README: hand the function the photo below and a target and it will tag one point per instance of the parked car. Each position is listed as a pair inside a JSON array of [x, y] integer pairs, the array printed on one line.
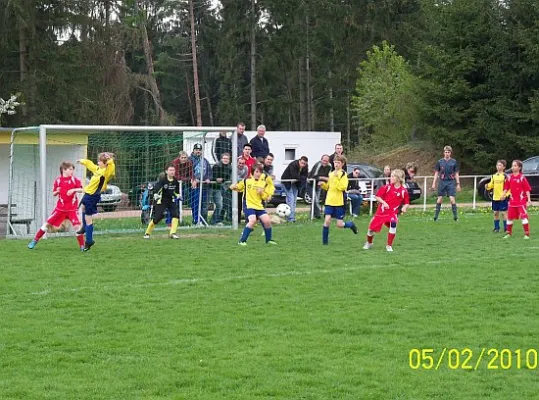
[[110, 198], [371, 172], [279, 196], [530, 168]]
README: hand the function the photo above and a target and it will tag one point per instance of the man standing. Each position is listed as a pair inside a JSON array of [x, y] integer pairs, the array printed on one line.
[[354, 191], [447, 170], [201, 168], [242, 139], [268, 165], [319, 172], [221, 173], [259, 143], [222, 145], [294, 177], [339, 151], [246, 156]]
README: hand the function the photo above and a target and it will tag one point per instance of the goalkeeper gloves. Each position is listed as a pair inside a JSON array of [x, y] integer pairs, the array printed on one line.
[[157, 196]]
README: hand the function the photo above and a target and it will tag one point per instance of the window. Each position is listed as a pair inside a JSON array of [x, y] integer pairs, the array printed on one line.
[[531, 165], [289, 154]]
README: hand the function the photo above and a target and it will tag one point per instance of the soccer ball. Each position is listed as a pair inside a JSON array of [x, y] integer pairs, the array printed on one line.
[[283, 210]]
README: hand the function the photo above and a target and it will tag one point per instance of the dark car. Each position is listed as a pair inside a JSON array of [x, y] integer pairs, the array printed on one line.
[[371, 172], [530, 168], [279, 196]]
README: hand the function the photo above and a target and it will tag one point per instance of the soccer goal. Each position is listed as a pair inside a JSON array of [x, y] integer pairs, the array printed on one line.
[[141, 155]]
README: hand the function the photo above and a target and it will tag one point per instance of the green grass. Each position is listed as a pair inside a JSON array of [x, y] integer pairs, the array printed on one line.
[[202, 318]]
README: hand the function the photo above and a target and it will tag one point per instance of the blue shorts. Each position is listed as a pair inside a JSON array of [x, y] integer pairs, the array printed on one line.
[[500, 205], [89, 201], [449, 188], [251, 211], [336, 212]]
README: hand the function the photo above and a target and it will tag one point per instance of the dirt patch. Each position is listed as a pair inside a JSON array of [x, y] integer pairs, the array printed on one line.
[[423, 154]]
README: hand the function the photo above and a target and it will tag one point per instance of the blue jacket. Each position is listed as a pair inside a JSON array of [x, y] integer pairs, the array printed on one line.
[[260, 147], [198, 163]]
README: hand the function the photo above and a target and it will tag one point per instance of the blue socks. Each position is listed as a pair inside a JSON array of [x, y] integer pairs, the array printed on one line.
[[246, 232], [267, 231], [89, 229], [348, 224], [325, 235], [497, 224]]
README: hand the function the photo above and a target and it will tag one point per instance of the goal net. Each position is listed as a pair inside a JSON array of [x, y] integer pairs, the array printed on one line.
[[141, 155]]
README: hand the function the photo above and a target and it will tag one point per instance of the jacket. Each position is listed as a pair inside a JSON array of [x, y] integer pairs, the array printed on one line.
[[200, 163], [184, 171], [221, 170], [242, 141], [222, 145], [318, 170], [260, 146], [293, 171]]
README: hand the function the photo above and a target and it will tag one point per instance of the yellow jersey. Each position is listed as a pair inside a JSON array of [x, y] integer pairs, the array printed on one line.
[[496, 184], [101, 176], [336, 186], [256, 191]]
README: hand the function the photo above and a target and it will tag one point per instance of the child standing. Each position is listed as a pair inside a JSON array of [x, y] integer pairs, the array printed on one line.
[[66, 186], [102, 173], [496, 184], [256, 189], [166, 195], [520, 189], [390, 197], [336, 185]]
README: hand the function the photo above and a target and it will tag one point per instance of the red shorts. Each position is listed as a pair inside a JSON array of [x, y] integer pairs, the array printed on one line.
[[57, 217], [378, 221], [517, 212]]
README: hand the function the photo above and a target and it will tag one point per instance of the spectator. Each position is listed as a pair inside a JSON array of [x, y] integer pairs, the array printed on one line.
[[354, 191], [222, 145], [259, 143], [296, 171], [242, 139], [201, 168], [410, 171], [246, 156], [184, 173], [387, 175], [320, 173], [268, 165], [221, 173], [243, 173], [339, 151]]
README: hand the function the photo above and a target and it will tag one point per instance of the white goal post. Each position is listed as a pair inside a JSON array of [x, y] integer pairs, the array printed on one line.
[[41, 152]]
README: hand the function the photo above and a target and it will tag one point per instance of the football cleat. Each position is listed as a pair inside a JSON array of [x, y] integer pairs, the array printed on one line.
[[354, 228], [242, 243], [81, 248], [507, 236], [271, 242], [367, 246], [389, 248], [146, 236], [526, 237], [81, 231], [32, 244], [174, 236], [496, 231], [88, 245]]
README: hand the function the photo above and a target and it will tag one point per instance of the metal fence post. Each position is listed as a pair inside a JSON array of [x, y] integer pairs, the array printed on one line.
[[474, 192], [313, 199], [371, 197], [425, 193]]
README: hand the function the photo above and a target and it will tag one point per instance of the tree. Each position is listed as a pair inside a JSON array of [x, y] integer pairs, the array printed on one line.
[[386, 100]]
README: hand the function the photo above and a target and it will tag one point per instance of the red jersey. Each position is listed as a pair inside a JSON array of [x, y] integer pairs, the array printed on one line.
[[518, 185], [64, 184], [249, 162], [394, 197]]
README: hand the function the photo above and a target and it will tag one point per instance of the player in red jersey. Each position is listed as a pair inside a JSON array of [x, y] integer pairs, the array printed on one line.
[[390, 198], [520, 189], [66, 187]]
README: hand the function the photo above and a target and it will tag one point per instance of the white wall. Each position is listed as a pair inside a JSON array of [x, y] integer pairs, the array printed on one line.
[[310, 144]]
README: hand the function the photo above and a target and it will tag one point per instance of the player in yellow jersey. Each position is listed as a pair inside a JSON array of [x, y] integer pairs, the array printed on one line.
[[256, 189], [334, 207], [102, 174], [496, 184]]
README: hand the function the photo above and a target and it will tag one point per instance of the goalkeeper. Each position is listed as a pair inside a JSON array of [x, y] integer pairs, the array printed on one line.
[[166, 193]]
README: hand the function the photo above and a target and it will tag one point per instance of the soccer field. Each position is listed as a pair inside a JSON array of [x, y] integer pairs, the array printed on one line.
[[203, 318]]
